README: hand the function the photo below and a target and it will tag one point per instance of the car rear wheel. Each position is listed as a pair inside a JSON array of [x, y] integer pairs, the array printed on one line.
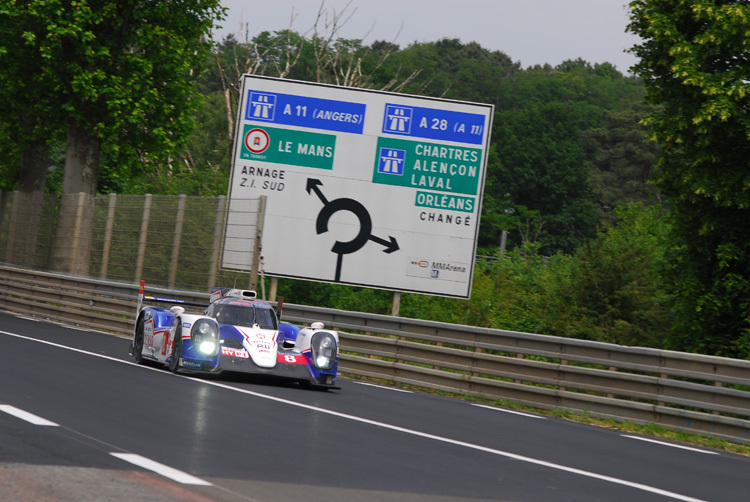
[[138, 341], [174, 362]]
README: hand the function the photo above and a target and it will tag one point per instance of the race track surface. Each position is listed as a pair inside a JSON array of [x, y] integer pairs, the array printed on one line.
[[80, 421]]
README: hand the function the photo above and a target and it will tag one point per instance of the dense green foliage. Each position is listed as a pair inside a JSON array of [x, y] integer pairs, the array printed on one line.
[[695, 60], [567, 143], [608, 290], [119, 73], [594, 249]]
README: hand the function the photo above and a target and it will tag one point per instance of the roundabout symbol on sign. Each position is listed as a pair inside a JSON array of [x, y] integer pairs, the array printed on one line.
[[257, 140], [365, 225]]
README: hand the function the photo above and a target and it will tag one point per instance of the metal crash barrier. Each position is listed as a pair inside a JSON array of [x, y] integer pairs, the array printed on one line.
[[694, 393]]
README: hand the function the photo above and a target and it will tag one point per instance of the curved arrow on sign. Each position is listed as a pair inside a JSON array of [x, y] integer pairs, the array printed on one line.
[[365, 221]]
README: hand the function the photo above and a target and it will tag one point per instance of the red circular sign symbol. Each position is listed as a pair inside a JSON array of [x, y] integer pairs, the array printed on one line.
[[257, 140]]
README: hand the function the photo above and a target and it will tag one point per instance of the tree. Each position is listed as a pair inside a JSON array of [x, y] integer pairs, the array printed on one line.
[[110, 71], [447, 68], [620, 160], [26, 132], [541, 167], [617, 283], [27, 129], [695, 64]]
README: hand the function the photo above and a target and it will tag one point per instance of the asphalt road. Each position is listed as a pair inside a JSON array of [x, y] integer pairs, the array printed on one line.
[[79, 422]]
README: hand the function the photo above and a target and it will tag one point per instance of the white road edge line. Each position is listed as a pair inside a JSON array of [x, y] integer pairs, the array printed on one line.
[[495, 408], [382, 387], [25, 415], [164, 470], [493, 451], [664, 443]]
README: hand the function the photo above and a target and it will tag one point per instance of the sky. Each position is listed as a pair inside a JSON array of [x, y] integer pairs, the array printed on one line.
[[529, 31]]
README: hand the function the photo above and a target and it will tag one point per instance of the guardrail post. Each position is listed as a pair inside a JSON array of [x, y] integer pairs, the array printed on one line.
[[108, 234], [563, 362], [176, 241], [717, 384], [611, 368], [519, 356], [142, 239]]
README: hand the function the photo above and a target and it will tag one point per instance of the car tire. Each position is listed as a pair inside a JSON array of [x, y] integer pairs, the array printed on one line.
[[138, 341], [174, 362]]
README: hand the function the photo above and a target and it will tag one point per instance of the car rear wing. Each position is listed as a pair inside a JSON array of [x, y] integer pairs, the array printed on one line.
[[216, 294], [142, 296]]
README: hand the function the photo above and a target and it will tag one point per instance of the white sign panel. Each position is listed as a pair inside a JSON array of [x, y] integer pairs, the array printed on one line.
[[363, 187]]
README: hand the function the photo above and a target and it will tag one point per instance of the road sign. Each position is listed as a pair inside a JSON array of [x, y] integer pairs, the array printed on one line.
[[363, 187]]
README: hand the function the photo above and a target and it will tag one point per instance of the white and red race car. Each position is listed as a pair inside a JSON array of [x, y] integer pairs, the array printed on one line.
[[237, 333]]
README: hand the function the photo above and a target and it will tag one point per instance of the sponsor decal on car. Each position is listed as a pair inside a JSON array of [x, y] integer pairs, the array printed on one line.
[[187, 363], [225, 351]]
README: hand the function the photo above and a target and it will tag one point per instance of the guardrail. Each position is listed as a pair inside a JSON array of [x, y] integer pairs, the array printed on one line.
[[694, 393]]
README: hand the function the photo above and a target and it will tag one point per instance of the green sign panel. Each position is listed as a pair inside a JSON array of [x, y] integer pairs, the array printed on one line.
[[284, 146], [428, 166], [445, 201]]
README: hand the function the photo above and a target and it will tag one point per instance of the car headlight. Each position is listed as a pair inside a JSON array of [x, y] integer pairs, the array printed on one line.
[[323, 346], [205, 336]]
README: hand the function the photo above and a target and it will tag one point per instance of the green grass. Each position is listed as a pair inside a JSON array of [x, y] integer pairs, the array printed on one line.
[[650, 430]]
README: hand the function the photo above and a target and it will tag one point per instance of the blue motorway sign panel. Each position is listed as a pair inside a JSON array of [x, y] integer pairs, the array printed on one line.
[[363, 187], [305, 111], [434, 123]]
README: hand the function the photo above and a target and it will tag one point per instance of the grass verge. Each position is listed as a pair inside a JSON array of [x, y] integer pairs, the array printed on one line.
[[650, 430]]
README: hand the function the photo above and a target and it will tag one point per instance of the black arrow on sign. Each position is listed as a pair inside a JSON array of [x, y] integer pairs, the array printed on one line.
[[390, 245], [313, 184]]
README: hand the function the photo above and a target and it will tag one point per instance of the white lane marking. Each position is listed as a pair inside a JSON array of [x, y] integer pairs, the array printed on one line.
[[25, 415], [382, 387], [663, 443], [472, 446], [508, 411], [164, 470], [501, 453]]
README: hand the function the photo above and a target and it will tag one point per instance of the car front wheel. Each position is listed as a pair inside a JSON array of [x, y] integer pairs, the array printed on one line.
[[174, 362], [138, 341]]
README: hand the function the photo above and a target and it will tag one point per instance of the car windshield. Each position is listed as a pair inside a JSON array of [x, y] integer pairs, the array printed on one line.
[[246, 315]]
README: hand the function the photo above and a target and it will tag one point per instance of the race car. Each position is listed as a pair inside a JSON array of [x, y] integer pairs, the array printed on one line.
[[236, 333]]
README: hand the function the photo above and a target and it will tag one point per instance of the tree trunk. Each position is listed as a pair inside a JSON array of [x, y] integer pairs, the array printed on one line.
[[27, 205], [34, 163], [71, 249]]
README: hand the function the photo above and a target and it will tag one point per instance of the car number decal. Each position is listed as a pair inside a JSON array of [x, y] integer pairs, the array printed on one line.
[[291, 359], [148, 333]]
